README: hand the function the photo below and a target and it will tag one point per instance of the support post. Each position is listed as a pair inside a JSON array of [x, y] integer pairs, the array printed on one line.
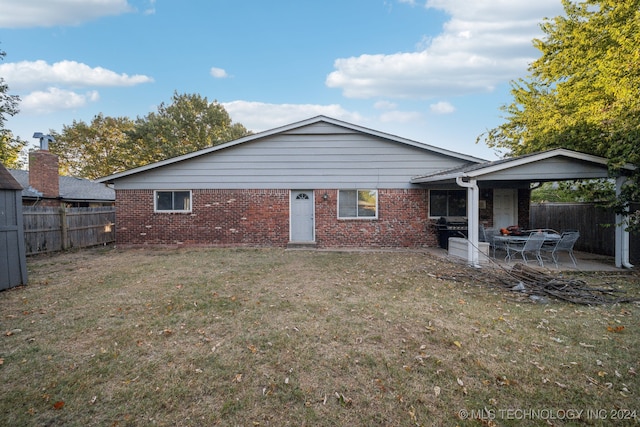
[[622, 235], [64, 229], [473, 217]]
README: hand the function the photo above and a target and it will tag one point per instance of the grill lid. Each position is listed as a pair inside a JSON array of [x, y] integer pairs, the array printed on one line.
[[453, 220]]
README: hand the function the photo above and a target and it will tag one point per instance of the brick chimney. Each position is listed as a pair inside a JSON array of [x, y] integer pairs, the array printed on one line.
[[43, 170]]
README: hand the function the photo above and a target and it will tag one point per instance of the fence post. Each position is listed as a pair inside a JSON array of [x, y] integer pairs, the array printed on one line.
[[64, 227]]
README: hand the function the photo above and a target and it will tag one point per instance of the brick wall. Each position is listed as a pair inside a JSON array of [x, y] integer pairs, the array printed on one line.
[[524, 200], [218, 217], [402, 222], [43, 173], [261, 218]]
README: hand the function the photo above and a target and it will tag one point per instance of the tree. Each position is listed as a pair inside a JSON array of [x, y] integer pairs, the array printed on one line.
[[583, 93], [110, 145], [10, 147], [95, 150], [188, 124]]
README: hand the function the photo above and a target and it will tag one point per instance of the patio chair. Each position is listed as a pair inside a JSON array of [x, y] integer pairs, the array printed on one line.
[[567, 240], [531, 245]]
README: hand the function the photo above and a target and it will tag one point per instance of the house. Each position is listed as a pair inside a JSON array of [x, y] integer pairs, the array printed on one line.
[[322, 182], [13, 262], [42, 186], [319, 182]]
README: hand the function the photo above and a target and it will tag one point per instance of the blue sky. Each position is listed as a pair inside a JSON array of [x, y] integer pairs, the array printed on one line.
[[435, 71]]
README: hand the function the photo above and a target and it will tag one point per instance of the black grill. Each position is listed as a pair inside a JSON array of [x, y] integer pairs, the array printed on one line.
[[451, 226]]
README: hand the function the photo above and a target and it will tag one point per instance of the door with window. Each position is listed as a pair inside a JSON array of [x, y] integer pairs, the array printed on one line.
[[505, 211], [301, 216]]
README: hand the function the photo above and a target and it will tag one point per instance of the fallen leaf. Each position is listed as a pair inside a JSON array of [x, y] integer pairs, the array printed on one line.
[[587, 345], [58, 405], [237, 378], [503, 381], [460, 383], [561, 385], [436, 391], [615, 329], [457, 344], [343, 400]]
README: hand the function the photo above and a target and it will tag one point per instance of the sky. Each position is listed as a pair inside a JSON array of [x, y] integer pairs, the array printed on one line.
[[433, 71]]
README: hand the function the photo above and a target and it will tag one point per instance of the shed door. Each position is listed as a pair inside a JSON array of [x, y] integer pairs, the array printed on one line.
[[13, 263], [505, 212], [302, 228]]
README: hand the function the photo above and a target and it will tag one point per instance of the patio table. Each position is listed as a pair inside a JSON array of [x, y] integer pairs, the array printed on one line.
[[550, 238]]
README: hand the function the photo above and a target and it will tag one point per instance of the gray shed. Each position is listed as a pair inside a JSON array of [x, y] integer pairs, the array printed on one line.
[[13, 261]]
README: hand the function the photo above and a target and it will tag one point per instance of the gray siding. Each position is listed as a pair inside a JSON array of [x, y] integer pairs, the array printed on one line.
[[299, 159], [553, 169]]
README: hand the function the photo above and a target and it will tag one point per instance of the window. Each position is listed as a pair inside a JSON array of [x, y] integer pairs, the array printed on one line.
[[173, 201], [358, 204], [447, 203]]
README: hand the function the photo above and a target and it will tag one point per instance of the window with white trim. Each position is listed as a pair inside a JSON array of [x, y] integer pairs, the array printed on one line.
[[358, 204], [172, 201], [447, 203]]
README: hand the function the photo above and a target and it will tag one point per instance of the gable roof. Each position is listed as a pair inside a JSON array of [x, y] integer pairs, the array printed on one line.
[[494, 168], [71, 188], [299, 128]]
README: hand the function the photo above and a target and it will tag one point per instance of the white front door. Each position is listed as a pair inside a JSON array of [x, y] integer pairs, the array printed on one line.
[[302, 221], [505, 207]]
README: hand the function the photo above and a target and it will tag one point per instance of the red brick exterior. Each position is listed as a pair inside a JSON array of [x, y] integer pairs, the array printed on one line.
[[524, 206], [260, 218], [402, 222], [43, 173]]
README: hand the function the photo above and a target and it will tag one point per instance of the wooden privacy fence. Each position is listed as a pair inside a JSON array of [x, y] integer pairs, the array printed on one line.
[[595, 224], [55, 229]]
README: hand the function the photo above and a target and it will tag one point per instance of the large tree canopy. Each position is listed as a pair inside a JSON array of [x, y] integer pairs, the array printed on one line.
[[188, 124], [583, 93], [10, 147], [109, 145], [96, 149]]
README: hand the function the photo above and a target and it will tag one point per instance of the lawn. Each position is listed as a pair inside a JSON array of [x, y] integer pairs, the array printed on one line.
[[267, 337]]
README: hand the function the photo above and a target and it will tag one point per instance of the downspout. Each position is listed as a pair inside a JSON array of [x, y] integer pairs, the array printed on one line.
[[622, 235], [473, 197]]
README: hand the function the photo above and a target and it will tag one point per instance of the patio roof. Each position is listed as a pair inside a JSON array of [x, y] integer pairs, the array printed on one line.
[[553, 165]]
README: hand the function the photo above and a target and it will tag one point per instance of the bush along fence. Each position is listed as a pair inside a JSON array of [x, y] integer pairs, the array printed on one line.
[[56, 229]]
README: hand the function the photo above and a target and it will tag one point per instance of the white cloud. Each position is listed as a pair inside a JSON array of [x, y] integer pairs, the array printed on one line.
[[38, 74], [54, 99], [50, 13], [259, 116], [442, 107], [485, 43], [385, 105], [400, 117], [218, 73]]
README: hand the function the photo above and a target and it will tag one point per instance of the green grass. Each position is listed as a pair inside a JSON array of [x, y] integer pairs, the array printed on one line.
[[270, 337]]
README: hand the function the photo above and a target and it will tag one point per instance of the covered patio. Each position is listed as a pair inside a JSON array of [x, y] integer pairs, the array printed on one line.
[[585, 262], [498, 193]]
